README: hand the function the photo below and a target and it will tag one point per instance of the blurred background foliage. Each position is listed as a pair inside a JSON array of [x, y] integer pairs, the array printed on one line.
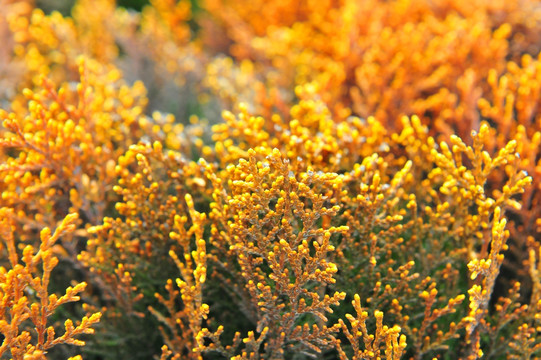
[[64, 6]]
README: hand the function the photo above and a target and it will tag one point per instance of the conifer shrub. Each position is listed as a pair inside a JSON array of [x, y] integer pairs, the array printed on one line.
[[271, 180]]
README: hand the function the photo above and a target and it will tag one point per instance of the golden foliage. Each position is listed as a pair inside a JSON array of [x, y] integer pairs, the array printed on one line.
[[387, 151], [26, 303]]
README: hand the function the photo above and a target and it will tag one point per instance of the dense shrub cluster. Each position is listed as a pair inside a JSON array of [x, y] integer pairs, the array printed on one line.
[[225, 179]]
